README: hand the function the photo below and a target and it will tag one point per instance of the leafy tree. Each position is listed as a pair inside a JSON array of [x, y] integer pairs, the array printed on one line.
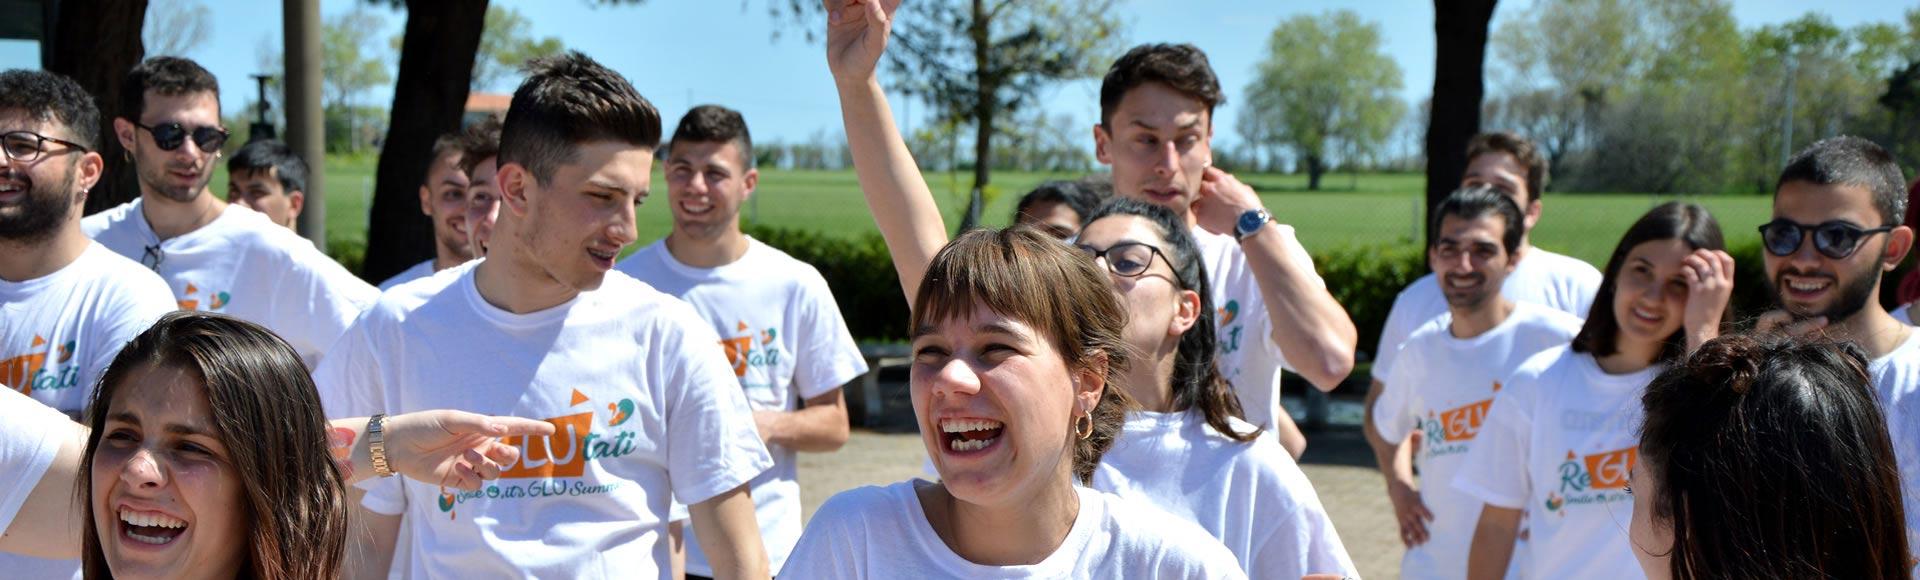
[[507, 43], [173, 27], [1325, 89], [351, 64]]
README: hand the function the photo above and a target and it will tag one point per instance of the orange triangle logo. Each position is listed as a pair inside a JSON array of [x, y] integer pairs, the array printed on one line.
[[578, 398], [37, 341], [1569, 454], [191, 288], [1496, 386], [741, 326]]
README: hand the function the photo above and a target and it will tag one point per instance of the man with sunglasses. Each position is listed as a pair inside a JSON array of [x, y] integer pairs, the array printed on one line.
[[67, 304], [1450, 372], [215, 256], [1835, 231]]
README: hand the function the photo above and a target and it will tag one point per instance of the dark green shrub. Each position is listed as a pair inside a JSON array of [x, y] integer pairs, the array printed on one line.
[[1366, 279]]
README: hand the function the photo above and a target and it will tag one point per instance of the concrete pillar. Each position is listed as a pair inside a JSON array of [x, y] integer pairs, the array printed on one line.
[[305, 125]]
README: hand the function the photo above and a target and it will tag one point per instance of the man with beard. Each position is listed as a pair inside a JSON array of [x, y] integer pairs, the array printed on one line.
[[1836, 230], [213, 255], [1451, 369], [67, 304], [443, 198]]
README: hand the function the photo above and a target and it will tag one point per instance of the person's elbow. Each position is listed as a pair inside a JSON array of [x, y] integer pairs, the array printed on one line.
[[1329, 363]]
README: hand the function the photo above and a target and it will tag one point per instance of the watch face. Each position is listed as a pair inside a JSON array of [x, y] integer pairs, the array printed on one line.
[[1250, 221]]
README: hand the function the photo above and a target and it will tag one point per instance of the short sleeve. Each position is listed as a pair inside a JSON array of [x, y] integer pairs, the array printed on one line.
[[831, 358], [1401, 322], [1585, 282], [385, 495], [30, 439], [830, 547], [1393, 416], [142, 298], [316, 301], [1495, 469], [712, 443], [1302, 541], [349, 378]]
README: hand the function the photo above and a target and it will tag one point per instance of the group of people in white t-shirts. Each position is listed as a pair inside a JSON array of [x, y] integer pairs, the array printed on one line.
[[1103, 407]]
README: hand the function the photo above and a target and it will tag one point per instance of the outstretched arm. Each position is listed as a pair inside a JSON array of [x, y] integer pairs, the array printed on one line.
[[442, 447], [902, 205]]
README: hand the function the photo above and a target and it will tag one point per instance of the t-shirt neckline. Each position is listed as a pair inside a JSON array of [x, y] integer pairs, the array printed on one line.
[[744, 263], [470, 287], [1077, 540]]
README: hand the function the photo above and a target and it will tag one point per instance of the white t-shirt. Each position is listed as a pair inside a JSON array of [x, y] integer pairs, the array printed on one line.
[[1248, 357], [882, 532], [1251, 496], [1896, 378], [782, 331], [58, 332], [1443, 387], [245, 266], [1560, 442], [1542, 277], [30, 438], [416, 272], [1902, 315], [630, 378]]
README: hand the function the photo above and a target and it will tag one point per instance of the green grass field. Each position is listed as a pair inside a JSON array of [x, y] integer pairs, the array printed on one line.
[[1349, 211]]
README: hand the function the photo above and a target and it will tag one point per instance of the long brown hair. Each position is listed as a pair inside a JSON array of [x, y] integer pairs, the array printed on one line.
[[1772, 460], [1025, 275], [268, 415]]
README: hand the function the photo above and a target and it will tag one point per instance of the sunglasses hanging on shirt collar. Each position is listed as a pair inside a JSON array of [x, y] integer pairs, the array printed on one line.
[[1835, 239], [170, 136]]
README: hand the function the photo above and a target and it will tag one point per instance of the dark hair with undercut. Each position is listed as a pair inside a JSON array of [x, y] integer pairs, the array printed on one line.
[[568, 100], [1197, 382], [167, 75], [1472, 203], [1855, 162], [273, 154], [1078, 314], [51, 96], [1181, 67], [267, 413], [1080, 195], [478, 142], [1770, 459], [1522, 150], [715, 124], [1674, 220]]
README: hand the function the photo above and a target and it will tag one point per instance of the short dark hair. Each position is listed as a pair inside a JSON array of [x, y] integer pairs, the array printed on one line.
[[1522, 151], [1852, 161], [1472, 203], [715, 124], [52, 97], [478, 142], [567, 100], [1775, 445], [167, 75], [1674, 220], [1081, 196], [273, 154], [1181, 67]]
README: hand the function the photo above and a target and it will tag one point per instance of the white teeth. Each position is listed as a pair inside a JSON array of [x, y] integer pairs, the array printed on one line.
[[1645, 314], [964, 425], [1460, 282], [1807, 286], [151, 519], [969, 445]]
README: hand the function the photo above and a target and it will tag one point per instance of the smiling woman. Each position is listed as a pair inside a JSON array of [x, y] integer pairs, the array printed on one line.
[[208, 455]]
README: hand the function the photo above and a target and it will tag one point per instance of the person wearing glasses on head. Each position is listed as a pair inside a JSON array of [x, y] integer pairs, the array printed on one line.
[[215, 256], [1835, 231], [66, 304]]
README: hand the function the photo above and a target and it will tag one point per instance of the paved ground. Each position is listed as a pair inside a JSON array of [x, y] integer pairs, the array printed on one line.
[[1337, 462]]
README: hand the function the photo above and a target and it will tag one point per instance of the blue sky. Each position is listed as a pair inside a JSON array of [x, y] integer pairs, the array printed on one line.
[[684, 52]]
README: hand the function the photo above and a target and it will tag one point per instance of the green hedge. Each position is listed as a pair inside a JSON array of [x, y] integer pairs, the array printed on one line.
[[860, 272]]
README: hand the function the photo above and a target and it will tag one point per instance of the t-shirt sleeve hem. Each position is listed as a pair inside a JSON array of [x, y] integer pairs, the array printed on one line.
[[1488, 496], [723, 480], [834, 380]]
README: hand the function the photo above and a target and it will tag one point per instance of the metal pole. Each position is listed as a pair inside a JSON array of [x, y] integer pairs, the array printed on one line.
[[305, 127]]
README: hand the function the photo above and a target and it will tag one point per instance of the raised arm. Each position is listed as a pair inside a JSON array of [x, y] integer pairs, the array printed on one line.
[[902, 205]]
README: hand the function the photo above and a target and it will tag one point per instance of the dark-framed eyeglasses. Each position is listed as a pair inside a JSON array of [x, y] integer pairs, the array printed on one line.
[[170, 136], [1126, 259], [1836, 239], [28, 146]]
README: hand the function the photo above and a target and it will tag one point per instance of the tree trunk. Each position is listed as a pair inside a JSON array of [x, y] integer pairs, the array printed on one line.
[[1460, 32], [1315, 168], [983, 109], [95, 42], [429, 97]]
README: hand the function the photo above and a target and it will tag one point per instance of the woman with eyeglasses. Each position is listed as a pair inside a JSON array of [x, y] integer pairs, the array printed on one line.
[[1017, 339], [1558, 443], [1767, 457]]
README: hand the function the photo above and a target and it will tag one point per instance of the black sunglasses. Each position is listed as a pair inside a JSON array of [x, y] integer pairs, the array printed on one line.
[[28, 146], [171, 136], [1127, 259], [1835, 239]]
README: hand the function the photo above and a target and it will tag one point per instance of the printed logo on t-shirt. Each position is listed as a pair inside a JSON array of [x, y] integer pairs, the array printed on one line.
[[28, 372], [752, 351], [578, 439], [1600, 478], [1447, 432], [189, 299], [1229, 332]]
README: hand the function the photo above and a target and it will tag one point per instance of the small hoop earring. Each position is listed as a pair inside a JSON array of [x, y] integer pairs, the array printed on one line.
[[1088, 432]]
